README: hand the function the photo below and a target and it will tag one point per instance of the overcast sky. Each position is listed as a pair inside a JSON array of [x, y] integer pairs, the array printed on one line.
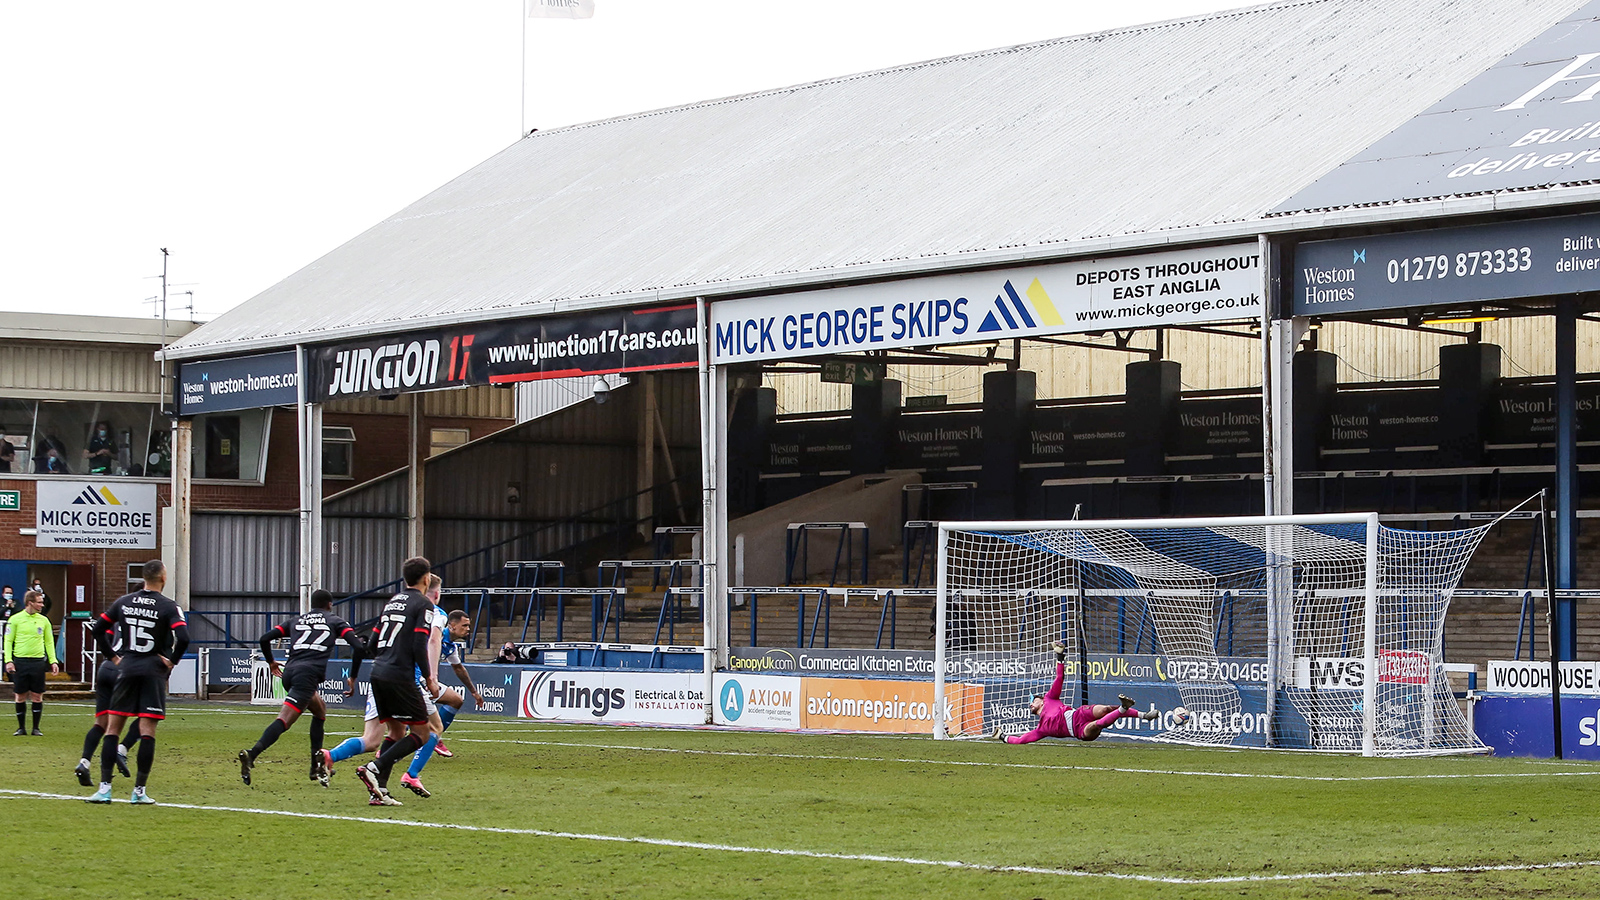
[[249, 139]]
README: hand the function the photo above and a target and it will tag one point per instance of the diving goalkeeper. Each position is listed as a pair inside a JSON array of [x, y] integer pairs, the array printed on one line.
[[1056, 720]]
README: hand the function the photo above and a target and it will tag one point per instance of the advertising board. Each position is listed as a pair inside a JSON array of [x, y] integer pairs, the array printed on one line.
[[245, 382], [1529, 120], [613, 696], [1173, 287], [757, 701], [600, 342], [95, 514]]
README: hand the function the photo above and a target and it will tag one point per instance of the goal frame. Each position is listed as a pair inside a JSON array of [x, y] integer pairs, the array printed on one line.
[[1275, 588]]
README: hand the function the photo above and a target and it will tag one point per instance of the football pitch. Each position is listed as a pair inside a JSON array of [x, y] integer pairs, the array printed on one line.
[[538, 809]]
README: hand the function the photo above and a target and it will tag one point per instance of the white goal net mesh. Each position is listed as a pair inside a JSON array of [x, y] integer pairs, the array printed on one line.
[[1259, 629]]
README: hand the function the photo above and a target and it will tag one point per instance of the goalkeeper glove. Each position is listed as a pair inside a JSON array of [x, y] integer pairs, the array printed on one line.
[[1060, 650]]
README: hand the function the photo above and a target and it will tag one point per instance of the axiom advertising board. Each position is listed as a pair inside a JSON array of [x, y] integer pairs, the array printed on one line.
[[757, 701]]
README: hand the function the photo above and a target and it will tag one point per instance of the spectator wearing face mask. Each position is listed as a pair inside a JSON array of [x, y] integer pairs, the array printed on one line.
[[102, 452], [8, 602]]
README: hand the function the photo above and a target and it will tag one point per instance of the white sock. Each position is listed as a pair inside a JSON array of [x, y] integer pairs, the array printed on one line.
[[105, 787], [139, 791], [84, 762]]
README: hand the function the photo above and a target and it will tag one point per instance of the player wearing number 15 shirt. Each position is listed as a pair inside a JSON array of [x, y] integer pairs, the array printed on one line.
[[152, 635], [311, 638], [145, 633]]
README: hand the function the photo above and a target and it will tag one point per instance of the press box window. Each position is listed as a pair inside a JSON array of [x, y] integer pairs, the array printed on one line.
[[229, 446], [338, 451], [135, 577], [442, 439]]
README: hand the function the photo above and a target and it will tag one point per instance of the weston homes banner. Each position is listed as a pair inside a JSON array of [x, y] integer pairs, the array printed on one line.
[[245, 382], [1176, 287], [595, 343], [1531, 120]]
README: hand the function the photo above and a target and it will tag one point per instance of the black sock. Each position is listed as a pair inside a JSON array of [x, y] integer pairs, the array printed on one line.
[[37, 709], [92, 740], [384, 747], [147, 755], [22, 715], [108, 755], [268, 738], [317, 725], [401, 749]]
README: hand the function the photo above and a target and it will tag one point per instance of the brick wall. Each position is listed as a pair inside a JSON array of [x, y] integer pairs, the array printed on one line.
[[381, 442], [110, 565]]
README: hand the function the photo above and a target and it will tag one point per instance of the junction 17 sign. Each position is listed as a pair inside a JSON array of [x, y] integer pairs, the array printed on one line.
[[600, 342], [1177, 287]]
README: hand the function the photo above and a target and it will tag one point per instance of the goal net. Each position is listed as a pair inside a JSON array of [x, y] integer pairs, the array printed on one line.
[[1294, 632]]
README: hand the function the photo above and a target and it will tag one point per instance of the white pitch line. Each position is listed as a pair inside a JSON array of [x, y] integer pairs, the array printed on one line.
[[1000, 765], [852, 857]]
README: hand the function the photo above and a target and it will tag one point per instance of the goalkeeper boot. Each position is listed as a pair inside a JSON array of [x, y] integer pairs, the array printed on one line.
[[1125, 700], [1060, 650], [1150, 716]]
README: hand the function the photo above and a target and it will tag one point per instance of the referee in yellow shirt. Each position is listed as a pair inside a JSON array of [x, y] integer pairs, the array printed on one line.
[[29, 644]]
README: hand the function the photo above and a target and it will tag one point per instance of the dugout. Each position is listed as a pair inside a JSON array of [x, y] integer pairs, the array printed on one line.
[[992, 178]]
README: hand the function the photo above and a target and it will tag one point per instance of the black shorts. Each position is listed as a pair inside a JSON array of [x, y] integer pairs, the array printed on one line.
[[105, 682], [399, 701], [140, 696], [28, 676], [300, 684]]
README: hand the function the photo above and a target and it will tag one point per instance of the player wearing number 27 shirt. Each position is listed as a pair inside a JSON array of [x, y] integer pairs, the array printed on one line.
[[311, 638]]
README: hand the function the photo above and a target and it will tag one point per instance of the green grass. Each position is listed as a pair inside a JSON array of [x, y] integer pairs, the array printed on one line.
[[1107, 807]]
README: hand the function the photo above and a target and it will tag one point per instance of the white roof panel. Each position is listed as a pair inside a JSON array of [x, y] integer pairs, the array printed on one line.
[[1070, 146]]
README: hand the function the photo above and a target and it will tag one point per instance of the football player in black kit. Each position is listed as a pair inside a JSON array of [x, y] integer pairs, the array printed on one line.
[[150, 637], [399, 644], [105, 683], [311, 643]]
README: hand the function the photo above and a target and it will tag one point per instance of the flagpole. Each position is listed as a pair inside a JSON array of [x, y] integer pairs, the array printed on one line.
[[522, 106]]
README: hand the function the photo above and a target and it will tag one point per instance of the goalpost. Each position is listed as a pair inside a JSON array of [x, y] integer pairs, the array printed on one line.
[[1291, 632]]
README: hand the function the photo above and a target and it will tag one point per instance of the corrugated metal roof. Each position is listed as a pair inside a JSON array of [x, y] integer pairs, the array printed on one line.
[[1174, 131]]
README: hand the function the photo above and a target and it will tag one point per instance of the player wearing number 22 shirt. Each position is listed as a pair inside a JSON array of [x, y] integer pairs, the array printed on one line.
[[311, 638]]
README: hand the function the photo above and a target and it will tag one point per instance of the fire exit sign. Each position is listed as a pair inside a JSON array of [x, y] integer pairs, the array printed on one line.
[[10, 500]]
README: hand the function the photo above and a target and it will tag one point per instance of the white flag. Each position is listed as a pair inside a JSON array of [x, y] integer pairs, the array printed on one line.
[[560, 9]]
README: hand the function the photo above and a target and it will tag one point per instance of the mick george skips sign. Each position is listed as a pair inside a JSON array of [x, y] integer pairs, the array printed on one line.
[[1177, 287], [503, 352]]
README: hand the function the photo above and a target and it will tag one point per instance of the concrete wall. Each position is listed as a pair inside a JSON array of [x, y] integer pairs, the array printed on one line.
[[873, 499]]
